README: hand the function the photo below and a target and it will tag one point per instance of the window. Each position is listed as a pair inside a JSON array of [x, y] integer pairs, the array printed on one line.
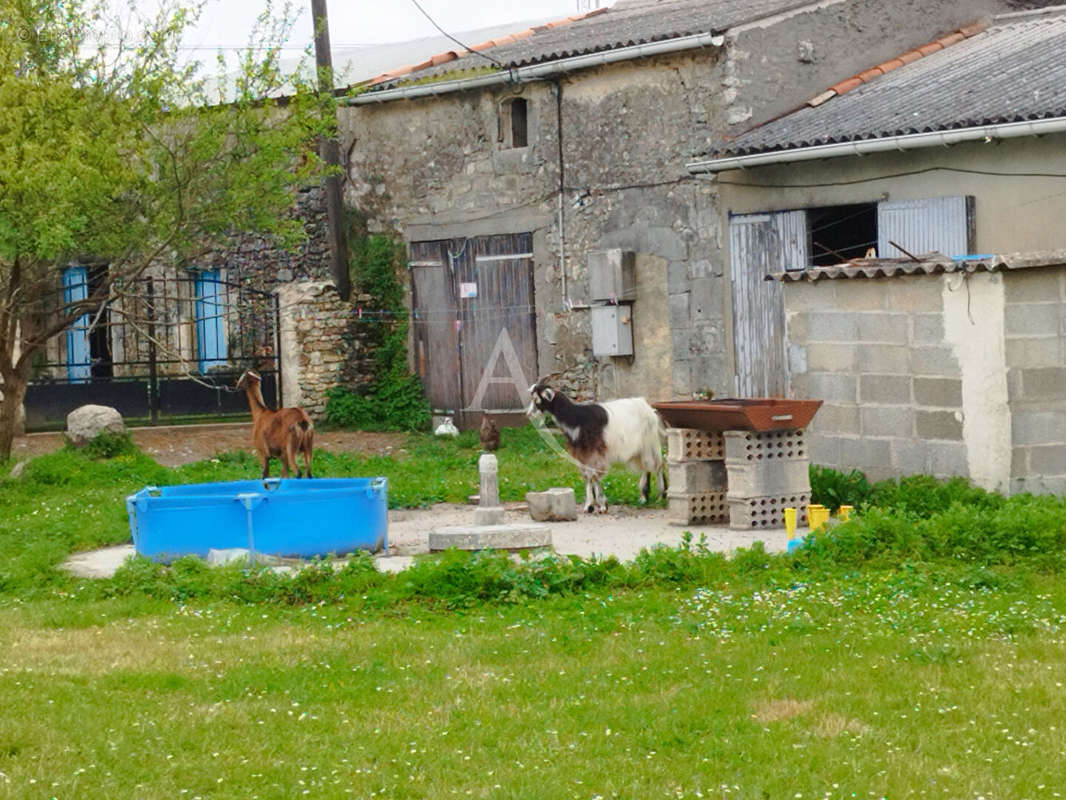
[[840, 233], [88, 341], [514, 123], [210, 321]]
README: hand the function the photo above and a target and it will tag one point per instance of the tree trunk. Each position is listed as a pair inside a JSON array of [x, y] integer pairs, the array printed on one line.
[[14, 390]]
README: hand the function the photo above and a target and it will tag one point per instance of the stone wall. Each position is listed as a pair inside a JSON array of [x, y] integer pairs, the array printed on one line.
[[323, 344]]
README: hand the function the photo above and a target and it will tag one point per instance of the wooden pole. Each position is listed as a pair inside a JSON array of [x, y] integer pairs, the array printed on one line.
[[330, 151]]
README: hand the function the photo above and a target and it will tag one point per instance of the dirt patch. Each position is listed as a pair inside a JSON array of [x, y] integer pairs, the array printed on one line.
[[174, 445]]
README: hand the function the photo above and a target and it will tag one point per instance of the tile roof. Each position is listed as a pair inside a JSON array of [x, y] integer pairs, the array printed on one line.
[[1010, 71], [627, 22], [928, 264]]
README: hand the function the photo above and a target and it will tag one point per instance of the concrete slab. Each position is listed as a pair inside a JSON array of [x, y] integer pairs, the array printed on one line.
[[507, 536]]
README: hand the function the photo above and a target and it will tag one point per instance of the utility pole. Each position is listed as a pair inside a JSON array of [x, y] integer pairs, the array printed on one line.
[[330, 152]]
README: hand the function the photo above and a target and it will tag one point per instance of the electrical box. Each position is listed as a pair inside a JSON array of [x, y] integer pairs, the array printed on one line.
[[612, 276], [612, 330]]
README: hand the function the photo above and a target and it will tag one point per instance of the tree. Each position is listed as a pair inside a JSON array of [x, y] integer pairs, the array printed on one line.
[[114, 150]]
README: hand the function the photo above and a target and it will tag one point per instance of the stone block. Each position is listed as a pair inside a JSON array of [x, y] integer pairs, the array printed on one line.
[[767, 512], [937, 361], [87, 422], [689, 444], [830, 357], [825, 450], [835, 420], [886, 359], [698, 507], [832, 326], [489, 515], [939, 392], [885, 389], [909, 457], [743, 447], [884, 328], [1032, 286], [692, 477], [1032, 319], [860, 296], [937, 425], [491, 537], [887, 421], [913, 293], [1034, 352], [1048, 460], [947, 459], [553, 505], [831, 387], [1047, 383], [763, 478], [864, 453], [804, 296]]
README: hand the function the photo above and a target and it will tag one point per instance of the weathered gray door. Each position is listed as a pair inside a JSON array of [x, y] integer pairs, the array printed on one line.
[[761, 244], [933, 224], [475, 319]]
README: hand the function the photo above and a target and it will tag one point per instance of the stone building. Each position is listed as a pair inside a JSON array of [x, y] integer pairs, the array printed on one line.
[[522, 177]]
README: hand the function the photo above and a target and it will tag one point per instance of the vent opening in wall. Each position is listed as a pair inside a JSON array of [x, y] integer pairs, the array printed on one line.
[[514, 122], [840, 233]]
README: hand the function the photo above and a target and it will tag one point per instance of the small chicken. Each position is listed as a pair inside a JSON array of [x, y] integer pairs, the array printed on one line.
[[490, 434]]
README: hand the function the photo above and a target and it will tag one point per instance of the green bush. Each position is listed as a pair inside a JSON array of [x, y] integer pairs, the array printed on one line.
[[832, 488], [109, 445]]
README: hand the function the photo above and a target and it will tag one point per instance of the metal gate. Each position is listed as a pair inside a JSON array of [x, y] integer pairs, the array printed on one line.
[[167, 349], [474, 323]]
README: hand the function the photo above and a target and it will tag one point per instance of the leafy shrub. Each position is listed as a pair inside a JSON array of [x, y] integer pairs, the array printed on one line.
[[832, 488], [924, 496], [108, 445]]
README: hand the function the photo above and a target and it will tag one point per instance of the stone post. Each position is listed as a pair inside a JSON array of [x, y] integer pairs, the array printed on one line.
[[489, 511]]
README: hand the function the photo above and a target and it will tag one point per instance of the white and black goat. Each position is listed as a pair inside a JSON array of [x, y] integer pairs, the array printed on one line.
[[627, 431]]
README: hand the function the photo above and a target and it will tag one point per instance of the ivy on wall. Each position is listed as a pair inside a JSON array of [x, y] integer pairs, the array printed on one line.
[[394, 399]]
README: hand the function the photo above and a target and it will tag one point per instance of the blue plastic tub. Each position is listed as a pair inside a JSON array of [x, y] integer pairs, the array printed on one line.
[[277, 516]]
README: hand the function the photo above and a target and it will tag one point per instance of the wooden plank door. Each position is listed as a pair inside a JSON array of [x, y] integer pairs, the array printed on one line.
[[761, 244], [436, 343]]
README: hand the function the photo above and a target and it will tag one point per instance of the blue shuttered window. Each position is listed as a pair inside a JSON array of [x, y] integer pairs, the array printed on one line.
[[210, 321], [79, 360]]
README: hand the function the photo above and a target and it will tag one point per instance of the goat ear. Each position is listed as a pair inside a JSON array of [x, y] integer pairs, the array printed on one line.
[[547, 393]]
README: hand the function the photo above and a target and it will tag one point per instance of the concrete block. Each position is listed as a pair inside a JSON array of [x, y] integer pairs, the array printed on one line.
[[913, 293], [491, 537], [489, 515], [797, 359], [698, 507], [796, 327], [885, 328], [1032, 286], [743, 447], [940, 392], [553, 505], [835, 420], [860, 296], [1038, 484], [909, 457], [864, 454], [1034, 352], [937, 425], [832, 387], [886, 359], [762, 478], [887, 421], [937, 361], [831, 326], [693, 477], [1048, 460], [805, 296], [1019, 461], [947, 459], [1038, 427], [1032, 319], [825, 450], [884, 389], [767, 512], [927, 329], [1047, 383], [689, 444], [830, 357]]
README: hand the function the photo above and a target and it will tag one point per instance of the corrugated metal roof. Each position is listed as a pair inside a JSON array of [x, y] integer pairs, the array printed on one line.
[[927, 264], [1010, 72], [626, 23]]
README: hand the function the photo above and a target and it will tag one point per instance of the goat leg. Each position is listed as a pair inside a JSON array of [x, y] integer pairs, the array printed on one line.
[[645, 481], [590, 496]]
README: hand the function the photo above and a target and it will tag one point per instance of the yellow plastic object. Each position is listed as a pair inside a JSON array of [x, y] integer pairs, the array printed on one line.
[[817, 516], [790, 522], [845, 512]]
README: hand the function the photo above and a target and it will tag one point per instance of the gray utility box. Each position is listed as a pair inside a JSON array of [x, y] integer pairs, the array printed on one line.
[[612, 275], [612, 330]]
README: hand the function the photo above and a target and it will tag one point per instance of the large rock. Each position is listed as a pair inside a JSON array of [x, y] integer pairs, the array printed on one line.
[[554, 505], [86, 422]]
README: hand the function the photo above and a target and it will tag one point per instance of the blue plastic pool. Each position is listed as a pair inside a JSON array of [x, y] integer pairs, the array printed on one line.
[[277, 516]]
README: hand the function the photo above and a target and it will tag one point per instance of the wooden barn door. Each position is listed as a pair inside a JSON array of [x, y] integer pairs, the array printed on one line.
[[761, 244], [475, 325]]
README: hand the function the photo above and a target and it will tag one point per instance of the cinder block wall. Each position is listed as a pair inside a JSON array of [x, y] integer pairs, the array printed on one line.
[[1034, 329], [874, 351]]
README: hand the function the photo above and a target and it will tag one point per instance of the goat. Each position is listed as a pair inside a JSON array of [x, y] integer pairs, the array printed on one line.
[[278, 434], [627, 431], [489, 434]]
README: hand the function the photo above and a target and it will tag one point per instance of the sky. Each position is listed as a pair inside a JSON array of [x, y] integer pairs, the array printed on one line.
[[360, 22]]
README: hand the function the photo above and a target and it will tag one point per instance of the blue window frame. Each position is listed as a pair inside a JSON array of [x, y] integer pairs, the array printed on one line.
[[210, 327], [79, 357]]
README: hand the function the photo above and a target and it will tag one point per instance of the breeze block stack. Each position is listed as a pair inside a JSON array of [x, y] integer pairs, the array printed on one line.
[[696, 470], [767, 473]]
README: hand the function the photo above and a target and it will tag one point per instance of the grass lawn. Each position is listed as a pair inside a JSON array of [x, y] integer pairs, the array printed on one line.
[[680, 676]]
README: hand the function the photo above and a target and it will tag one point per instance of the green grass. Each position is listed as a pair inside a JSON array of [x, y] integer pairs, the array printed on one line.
[[916, 652]]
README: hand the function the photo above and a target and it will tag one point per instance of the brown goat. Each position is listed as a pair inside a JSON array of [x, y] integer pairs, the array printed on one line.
[[278, 434]]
